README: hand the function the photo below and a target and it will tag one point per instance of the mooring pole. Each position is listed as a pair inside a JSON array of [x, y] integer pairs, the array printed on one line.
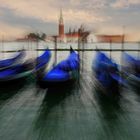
[[79, 40], [3, 47], [36, 62], [79, 46], [123, 39], [55, 49], [110, 49], [82, 54], [28, 44], [37, 47], [139, 50], [84, 37]]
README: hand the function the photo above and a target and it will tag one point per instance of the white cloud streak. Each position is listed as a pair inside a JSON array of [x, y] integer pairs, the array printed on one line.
[[43, 15], [125, 3]]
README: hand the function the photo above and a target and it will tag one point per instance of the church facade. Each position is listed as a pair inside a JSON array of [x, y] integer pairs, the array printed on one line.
[[71, 36], [74, 35]]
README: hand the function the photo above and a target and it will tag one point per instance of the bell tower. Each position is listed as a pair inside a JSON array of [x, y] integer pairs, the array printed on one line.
[[61, 25]]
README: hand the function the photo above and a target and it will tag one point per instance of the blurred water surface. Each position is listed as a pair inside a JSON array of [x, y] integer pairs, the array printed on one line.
[[78, 112]]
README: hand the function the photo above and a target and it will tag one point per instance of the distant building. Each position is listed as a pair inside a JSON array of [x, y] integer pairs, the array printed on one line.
[[92, 38], [61, 27], [74, 35], [71, 36], [110, 38], [26, 39], [105, 38]]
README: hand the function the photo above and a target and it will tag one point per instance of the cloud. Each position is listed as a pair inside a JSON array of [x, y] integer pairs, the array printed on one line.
[[36, 15], [10, 19], [48, 10], [44, 14], [125, 3]]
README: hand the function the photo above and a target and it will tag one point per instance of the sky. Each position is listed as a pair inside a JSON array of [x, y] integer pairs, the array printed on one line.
[[17, 17]]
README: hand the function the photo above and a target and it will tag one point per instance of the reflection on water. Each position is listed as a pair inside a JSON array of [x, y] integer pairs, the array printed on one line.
[[80, 112], [110, 112], [49, 112], [10, 90]]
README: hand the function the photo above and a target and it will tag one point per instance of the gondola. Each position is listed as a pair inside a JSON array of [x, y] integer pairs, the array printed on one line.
[[107, 73], [64, 73], [23, 70], [11, 61], [131, 69]]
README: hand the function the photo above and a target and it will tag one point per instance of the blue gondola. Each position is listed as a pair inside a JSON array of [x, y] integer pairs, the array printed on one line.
[[21, 71], [63, 73], [106, 72], [11, 61], [131, 69], [42, 60]]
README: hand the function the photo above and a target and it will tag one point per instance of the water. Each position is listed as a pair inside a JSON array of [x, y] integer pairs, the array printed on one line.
[[79, 112]]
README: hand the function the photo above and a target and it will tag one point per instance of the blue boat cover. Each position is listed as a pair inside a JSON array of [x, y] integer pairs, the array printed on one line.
[[103, 62], [43, 59], [106, 70], [131, 59], [133, 63], [118, 78], [13, 71], [57, 75], [19, 68], [61, 72], [9, 62]]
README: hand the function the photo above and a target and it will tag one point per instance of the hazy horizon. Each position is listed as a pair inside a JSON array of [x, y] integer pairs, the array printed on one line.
[[101, 16]]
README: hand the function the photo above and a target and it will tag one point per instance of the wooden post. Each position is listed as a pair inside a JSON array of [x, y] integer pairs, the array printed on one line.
[[123, 39], [110, 49], [3, 47], [37, 45], [82, 54], [55, 48], [139, 50], [79, 46], [123, 42], [79, 39]]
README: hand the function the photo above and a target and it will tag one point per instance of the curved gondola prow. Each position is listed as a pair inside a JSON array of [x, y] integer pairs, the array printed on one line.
[[20, 55], [71, 49], [107, 73], [42, 60], [41, 64], [19, 72], [63, 73], [12, 61]]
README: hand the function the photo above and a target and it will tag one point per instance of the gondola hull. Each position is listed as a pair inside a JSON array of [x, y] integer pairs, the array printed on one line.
[[64, 73], [131, 69], [7, 63], [73, 76], [106, 73], [20, 78], [20, 72]]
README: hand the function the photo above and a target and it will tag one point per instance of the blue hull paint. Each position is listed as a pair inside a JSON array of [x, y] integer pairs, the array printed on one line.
[[23, 70], [63, 73], [106, 72], [11, 61], [132, 69]]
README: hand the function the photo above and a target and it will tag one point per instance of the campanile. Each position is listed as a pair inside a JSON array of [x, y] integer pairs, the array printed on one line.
[[61, 25]]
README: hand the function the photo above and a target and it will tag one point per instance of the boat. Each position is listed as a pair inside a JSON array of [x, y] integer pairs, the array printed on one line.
[[11, 61], [131, 69], [23, 70], [64, 73], [107, 73]]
